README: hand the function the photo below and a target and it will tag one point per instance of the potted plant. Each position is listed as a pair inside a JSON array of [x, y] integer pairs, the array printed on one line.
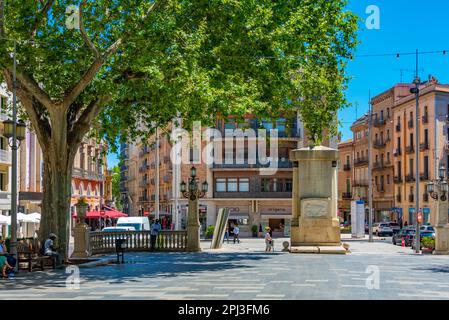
[[81, 209], [254, 229], [428, 244], [210, 232]]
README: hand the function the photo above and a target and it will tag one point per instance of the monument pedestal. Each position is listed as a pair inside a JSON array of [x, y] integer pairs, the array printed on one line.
[[315, 225], [81, 238], [442, 240]]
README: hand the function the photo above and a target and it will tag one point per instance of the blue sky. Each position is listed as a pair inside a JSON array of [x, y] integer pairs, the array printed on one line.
[[405, 25]]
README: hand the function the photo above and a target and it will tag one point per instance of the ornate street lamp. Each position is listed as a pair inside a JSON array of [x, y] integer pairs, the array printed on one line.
[[8, 131], [192, 192]]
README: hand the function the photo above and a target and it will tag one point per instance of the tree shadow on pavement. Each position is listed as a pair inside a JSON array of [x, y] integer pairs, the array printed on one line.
[[139, 266]]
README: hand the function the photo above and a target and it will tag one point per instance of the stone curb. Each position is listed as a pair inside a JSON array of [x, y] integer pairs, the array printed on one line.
[[97, 263]]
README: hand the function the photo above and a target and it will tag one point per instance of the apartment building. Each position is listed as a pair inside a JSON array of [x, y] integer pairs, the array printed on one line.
[[433, 147], [360, 155], [345, 179]]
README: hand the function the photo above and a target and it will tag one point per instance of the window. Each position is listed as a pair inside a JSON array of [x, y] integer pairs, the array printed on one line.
[[388, 157], [288, 185], [244, 185], [220, 185], [347, 160], [3, 181], [388, 113], [348, 185], [388, 179], [3, 143], [232, 185]]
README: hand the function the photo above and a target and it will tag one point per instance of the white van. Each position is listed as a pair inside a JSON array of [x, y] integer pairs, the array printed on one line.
[[139, 223]]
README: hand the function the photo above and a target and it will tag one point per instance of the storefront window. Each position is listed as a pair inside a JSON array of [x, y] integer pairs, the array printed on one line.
[[288, 185]]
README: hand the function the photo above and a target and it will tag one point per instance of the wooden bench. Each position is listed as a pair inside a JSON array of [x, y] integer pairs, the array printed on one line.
[[28, 252]]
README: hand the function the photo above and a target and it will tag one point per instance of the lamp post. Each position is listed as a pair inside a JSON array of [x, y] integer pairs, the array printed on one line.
[[15, 132], [415, 90], [438, 190], [193, 193]]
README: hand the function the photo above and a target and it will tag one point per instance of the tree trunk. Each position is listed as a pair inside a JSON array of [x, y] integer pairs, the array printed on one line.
[[57, 176]]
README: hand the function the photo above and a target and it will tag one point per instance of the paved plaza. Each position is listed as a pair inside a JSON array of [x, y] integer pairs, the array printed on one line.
[[245, 271]]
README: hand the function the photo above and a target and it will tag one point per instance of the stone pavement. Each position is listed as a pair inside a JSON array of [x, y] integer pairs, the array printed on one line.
[[245, 271]]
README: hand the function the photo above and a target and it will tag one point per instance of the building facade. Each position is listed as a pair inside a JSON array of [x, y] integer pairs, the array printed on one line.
[[345, 179], [5, 157], [433, 148], [255, 194]]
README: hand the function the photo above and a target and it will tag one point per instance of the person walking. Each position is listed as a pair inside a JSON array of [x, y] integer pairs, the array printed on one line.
[[268, 240], [236, 234], [260, 230], [226, 235], [155, 229]]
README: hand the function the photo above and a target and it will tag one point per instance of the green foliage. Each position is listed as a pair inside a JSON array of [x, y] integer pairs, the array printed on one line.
[[254, 229], [210, 231], [116, 187], [196, 58], [428, 242]]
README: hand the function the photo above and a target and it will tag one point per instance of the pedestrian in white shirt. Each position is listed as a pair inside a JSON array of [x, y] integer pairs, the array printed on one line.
[[236, 233]]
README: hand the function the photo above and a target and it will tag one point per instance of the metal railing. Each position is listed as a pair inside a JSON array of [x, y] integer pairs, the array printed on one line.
[[346, 195], [424, 146], [397, 179], [409, 149], [104, 242], [409, 178], [347, 167]]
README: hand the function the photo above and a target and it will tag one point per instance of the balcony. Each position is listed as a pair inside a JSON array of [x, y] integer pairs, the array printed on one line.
[[397, 152], [411, 198], [346, 195], [409, 149], [143, 199], [5, 156], [144, 168], [446, 145], [379, 143], [425, 118], [360, 162], [425, 197], [144, 151], [88, 175], [424, 176], [347, 167], [399, 198], [281, 164], [254, 194], [143, 183], [378, 165], [409, 178], [424, 146], [398, 128], [379, 122], [397, 179], [410, 124], [360, 183]]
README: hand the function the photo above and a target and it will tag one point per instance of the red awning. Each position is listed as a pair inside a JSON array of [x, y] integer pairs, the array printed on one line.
[[104, 214]]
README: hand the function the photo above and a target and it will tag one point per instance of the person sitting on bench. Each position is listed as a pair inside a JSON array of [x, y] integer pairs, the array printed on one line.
[[11, 261], [49, 249]]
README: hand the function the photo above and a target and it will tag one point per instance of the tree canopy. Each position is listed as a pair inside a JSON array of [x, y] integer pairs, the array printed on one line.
[[141, 61]]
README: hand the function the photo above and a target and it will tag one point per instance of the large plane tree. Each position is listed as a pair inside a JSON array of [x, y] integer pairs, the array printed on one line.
[[123, 67]]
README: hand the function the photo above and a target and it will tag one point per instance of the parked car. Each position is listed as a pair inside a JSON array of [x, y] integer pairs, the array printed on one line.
[[395, 226], [427, 228], [382, 229], [118, 229], [139, 223], [407, 234], [424, 234]]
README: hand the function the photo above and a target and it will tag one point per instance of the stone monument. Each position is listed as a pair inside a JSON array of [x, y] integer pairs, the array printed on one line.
[[315, 227], [81, 232], [442, 229]]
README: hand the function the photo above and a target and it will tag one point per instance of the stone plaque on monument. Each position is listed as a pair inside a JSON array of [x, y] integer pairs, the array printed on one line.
[[315, 207]]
